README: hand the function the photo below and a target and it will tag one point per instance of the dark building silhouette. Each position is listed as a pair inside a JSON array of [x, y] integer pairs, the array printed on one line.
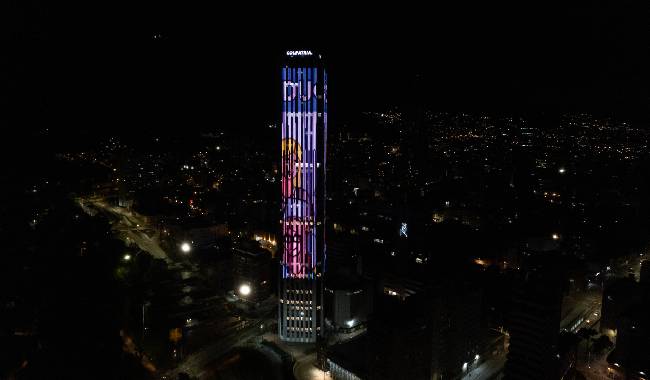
[[343, 258], [534, 325], [458, 335], [348, 360], [397, 344], [400, 340], [628, 313], [348, 302], [618, 296], [631, 356], [252, 273]]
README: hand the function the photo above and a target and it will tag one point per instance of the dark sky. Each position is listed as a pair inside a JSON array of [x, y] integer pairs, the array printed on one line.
[[98, 66]]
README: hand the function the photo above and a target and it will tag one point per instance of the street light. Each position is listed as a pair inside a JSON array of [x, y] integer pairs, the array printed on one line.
[[245, 290], [127, 257], [186, 247]]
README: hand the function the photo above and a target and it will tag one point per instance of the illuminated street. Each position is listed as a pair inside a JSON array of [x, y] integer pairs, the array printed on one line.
[[129, 226], [581, 310], [195, 364], [488, 369], [305, 369]]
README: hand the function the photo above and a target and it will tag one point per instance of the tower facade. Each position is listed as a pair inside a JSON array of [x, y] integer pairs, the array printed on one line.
[[304, 141]]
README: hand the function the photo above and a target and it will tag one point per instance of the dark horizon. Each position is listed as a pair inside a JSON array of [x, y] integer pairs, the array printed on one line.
[[149, 67]]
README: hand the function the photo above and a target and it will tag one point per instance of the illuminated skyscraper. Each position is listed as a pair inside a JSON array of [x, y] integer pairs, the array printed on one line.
[[304, 141]]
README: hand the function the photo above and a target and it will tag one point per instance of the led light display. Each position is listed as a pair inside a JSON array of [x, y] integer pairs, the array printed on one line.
[[299, 178], [303, 161]]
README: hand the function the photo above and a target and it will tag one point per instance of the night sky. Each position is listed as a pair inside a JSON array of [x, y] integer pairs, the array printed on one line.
[[98, 66]]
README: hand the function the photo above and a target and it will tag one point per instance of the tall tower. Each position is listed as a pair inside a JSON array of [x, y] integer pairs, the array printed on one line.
[[304, 141]]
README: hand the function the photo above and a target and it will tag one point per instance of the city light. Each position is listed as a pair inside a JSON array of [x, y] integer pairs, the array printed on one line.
[[561, 170], [555, 237], [245, 290], [127, 257], [403, 231], [186, 247]]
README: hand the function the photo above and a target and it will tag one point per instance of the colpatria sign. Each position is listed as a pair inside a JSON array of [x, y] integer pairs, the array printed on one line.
[[292, 53]]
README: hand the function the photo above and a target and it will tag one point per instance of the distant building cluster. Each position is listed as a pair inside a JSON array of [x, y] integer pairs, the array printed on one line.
[[458, 245]]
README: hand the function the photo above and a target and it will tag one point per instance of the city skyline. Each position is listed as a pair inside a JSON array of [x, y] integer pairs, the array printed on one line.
[[316, 192]]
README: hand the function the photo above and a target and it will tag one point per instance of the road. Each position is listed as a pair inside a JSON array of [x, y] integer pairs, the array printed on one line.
[[581, 310], [627, 265], [596, 368], [195, 363], [211, 331], [305, 369], [489, 369], [493, 365], [129, 226]]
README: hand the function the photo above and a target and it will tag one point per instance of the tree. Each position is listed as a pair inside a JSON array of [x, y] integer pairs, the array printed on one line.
[[601, 344], [587, 333]]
